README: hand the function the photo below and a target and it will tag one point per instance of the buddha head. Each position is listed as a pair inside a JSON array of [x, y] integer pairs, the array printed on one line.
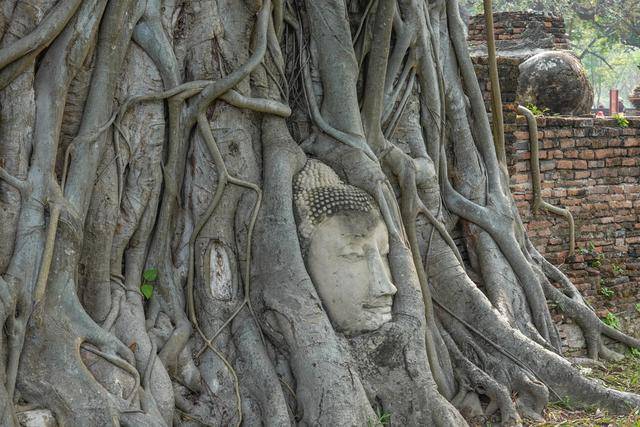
[[345, 245]]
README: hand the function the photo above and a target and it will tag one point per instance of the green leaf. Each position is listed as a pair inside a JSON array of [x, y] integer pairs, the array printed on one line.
[[150, 275], [147, 290], [612, 320], [607, 292]]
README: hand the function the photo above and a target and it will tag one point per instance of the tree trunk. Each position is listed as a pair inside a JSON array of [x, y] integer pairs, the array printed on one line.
[[158, 250]]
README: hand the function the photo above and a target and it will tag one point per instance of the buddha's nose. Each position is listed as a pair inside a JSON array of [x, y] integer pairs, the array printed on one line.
[[381, 282]]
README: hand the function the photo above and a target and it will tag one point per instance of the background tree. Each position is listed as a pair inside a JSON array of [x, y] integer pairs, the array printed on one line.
[[151, 267]]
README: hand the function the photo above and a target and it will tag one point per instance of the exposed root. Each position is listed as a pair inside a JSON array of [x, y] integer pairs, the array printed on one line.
[[42, 35], [21, 185], [480, 381], [538, 203], [224, 178], [572, 304]]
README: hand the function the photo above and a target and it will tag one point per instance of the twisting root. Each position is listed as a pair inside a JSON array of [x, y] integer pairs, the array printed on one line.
[[21, 185], [355, 141], [219, 87], [393, 123], [82, 139], [571, 303], [538, 203], [224, 178], [41, 36], [493, 344], [47, 256], [480, 381], [120, 363]]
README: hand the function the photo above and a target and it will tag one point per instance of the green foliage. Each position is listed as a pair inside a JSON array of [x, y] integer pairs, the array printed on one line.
[[148, 278], [150, 275], [536, 111], [635, 352], [637, 307], [621, 120], [607, 292], [597, 261], [617, 269], [612, 320], [589, 250], [564, 403], [384, 418]]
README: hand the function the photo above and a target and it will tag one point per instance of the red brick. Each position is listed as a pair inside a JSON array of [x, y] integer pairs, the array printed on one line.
[[579, 164], [521, 135], [567, 143], [564, 164], [603, 153], [586, 154]]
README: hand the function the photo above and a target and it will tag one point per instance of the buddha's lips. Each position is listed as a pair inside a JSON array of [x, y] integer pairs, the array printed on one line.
[[376, 306]]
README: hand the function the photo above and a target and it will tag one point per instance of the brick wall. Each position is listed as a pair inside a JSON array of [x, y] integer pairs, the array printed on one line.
[[511, 25], [508, 73], [591, 167], [512, 50]]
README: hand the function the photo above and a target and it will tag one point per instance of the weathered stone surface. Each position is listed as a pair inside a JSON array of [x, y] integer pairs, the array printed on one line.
[[37, 418], [555, 80]]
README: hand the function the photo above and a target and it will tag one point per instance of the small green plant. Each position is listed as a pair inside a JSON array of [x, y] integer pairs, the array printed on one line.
[[597, 261], [637, 307], [564, 403], [590, 249], [536, 111], [148, 279], [634, 352], [621, 120], [612, 320], [617, 269], [384, 418], [607, 292]]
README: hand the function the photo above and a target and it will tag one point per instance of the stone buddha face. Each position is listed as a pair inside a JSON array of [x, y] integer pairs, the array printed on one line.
[[345, 245]]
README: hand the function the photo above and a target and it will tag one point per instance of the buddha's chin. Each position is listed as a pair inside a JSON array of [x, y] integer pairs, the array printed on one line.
[[376, 317]]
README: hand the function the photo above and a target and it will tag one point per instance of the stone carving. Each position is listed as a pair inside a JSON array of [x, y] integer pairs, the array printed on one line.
[[555, 80], [218, 268], [345, 245]]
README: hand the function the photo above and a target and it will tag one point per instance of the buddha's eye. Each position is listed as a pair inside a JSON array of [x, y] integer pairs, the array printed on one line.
[[352, 256]]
